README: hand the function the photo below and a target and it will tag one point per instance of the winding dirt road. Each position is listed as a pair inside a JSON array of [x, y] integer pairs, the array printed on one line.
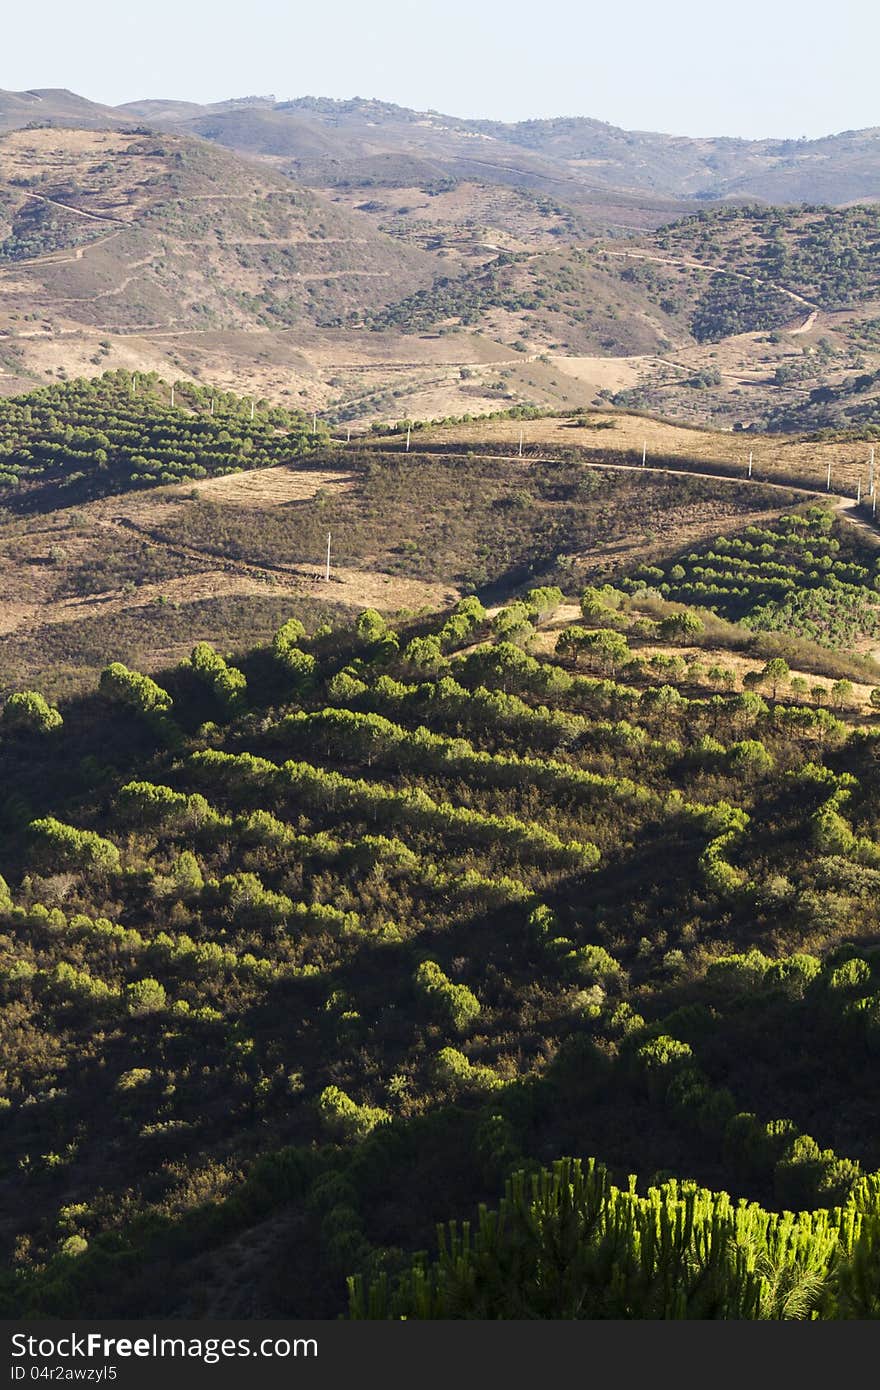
[[719, 270]]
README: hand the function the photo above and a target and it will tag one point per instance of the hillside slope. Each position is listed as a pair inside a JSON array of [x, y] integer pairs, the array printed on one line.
[[165, 253], [170, 233], [313, 948], [54, 106]]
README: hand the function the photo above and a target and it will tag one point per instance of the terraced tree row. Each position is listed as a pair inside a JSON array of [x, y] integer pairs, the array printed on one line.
[[360, 923], [126, 430]]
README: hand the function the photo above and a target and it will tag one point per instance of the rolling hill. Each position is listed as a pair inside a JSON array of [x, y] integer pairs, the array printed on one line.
[[53, 106], [326, 141], [178, 234], [438, 288], [364, 140]]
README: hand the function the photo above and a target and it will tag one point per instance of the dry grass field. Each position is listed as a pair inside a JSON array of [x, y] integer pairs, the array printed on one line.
[[775, 457], [266, 487]]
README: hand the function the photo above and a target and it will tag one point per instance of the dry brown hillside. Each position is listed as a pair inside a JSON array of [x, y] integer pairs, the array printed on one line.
[[120, 231]]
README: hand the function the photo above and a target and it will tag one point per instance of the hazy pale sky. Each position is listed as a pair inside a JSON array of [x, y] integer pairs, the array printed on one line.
[[691, 67]]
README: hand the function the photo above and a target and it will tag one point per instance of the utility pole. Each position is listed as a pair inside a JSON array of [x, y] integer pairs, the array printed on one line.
[[407, 439], [212, 405], [750, 463], [134, 383], [252, 409], [172, 398], [520, 443], [859, 494], [314, 422], [644, 452], [327, 566], [348, 435], [871, 473]]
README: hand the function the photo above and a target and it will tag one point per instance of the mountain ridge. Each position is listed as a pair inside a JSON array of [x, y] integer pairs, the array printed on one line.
[[702, 167], [325, 136]]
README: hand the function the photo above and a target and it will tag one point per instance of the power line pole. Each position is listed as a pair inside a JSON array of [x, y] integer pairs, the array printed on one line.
[[407, 439], [172, 397], [212, 405], [520, 443], [348, 435], [859, 494], [252, 409], [327, 566], [314, 422], [644, 452], [828, 484], [750, 463], [871, 472]]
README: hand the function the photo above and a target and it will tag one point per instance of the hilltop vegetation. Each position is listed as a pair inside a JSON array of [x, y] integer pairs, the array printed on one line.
[[84, 439], [794, 577], [827, 256]]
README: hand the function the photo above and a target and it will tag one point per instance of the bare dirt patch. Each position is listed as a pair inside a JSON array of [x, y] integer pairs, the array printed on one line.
[[375, 589], [603, 373], [267, 487]]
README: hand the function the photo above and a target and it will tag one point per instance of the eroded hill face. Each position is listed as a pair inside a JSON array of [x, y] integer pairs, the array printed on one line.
[[119, 230]]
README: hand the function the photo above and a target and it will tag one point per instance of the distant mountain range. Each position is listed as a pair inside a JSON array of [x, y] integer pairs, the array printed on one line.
[[323, 141]]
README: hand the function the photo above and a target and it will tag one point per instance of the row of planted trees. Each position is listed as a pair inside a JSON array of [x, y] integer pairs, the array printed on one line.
[[123, 429]]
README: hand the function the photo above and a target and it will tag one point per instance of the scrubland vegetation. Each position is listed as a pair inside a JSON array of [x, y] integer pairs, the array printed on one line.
[[552, 911], [346, 932]]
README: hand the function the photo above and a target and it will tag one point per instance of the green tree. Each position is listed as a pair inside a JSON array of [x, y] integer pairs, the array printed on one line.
[[456, 1003], [30, 711], [842, 693], [776, 672], [371, 626], [145, 996], [609, 649], [681, 627]]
